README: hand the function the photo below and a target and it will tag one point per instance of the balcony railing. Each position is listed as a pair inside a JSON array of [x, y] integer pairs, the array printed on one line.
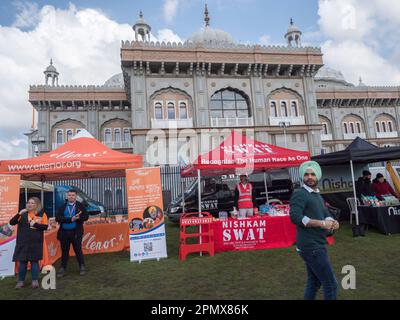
[[352, 136], [232, 122], [118, 144], [392, 134], [326, 137], [294, 121], [171, 123]]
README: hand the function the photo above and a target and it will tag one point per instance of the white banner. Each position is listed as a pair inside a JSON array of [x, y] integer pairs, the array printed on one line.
[[7, 267], [151, 245]]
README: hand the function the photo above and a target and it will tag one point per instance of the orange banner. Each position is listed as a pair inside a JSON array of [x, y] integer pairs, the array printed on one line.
[[9, 203], [146, 216], [98, 238]]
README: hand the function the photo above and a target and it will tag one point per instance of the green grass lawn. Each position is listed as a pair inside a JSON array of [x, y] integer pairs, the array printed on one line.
[[263, 274]]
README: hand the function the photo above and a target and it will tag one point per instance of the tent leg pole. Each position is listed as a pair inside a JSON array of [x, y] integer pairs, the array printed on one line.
[[354, 190], [183, 197], [54, 201], [199, 196], [266, 187], [42, 194], [26, 196]]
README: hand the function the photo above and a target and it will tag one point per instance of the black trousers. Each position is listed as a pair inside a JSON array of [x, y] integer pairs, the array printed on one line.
[[69, 237]]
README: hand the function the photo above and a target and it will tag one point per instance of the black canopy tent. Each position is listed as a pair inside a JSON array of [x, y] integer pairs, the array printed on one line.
[[361, 152]]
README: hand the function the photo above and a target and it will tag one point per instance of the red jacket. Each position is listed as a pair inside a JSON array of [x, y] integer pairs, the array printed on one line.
[[381, 189]]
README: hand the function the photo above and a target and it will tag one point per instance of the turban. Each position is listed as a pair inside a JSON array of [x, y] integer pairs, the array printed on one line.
[[310, 165]]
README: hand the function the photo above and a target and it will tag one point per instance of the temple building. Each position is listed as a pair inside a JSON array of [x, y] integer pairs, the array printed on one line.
[[284, 94]]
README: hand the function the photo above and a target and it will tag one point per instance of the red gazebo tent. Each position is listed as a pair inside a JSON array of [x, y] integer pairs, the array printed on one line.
[[241, 154]]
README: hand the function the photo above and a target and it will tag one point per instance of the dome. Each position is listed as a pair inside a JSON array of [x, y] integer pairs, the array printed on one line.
[[51, 68], [212, 36], [331, 77], [293, 28], [115, 81], [326, 73]]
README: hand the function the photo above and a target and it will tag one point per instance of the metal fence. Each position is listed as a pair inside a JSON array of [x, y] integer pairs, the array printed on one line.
[[111, 192]]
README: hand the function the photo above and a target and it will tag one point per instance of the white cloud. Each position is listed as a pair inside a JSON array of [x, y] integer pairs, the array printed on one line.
[[265, 40], [362, 39], [85, 47], [167, 35], [170, 10]]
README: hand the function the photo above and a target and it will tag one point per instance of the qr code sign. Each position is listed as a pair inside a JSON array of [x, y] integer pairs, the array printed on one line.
[[148, 247]]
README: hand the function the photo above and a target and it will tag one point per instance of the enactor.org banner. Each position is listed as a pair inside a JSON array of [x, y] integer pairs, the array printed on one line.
[[9, 203], [146, 217]]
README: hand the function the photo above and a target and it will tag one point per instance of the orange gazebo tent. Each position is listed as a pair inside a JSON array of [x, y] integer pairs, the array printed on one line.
[[81, 157]]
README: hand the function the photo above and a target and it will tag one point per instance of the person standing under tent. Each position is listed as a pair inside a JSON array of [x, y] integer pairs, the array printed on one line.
[[313, 222], [32, 222], [245, 197], [364, 186], [71, 217]]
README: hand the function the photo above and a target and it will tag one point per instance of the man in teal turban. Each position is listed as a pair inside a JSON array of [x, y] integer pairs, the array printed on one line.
[[313, 222], [310, 166]]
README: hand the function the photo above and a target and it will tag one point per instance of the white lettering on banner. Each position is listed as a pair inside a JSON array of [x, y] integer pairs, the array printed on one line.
[[74, 154], [247, 148], [393, 211], [243, 234], [89, 242], [244, 230]]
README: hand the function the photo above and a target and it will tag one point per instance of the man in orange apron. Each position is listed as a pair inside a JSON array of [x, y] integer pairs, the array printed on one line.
[[245, 199]]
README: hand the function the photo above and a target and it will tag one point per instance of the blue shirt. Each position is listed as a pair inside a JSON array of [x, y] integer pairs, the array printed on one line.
[[69, 212]]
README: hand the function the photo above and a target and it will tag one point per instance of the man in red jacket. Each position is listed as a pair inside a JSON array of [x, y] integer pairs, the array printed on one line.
[[382, 187], [245, 197]]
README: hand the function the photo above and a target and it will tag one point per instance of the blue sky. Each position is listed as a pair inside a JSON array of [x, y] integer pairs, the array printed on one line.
[[245, 20], [358, 37]]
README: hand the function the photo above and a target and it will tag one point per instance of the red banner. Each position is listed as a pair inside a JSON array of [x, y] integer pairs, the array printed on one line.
[[255, 233]]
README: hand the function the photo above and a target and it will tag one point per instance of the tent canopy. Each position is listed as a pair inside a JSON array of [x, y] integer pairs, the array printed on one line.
[[81, 157], [243, 154], [359, 151]]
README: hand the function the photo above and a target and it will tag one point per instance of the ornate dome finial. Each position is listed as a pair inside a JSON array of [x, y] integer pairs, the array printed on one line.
[[51, 73], [206, 17], [142, 29], [293, 35]]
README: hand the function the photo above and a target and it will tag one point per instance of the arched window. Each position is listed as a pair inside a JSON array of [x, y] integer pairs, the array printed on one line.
[[60, 137], [127, 135], [158, 113], [352, 127], [117, 135], [383, 126], [284, 110], [70, 134], [390, 126], [183, 114], [274, 111], [107, 135], [358, 124], [325, 128], [229, 103], [78, 130], [346, 130], [171, 110], [378, 128], [294, 110]]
